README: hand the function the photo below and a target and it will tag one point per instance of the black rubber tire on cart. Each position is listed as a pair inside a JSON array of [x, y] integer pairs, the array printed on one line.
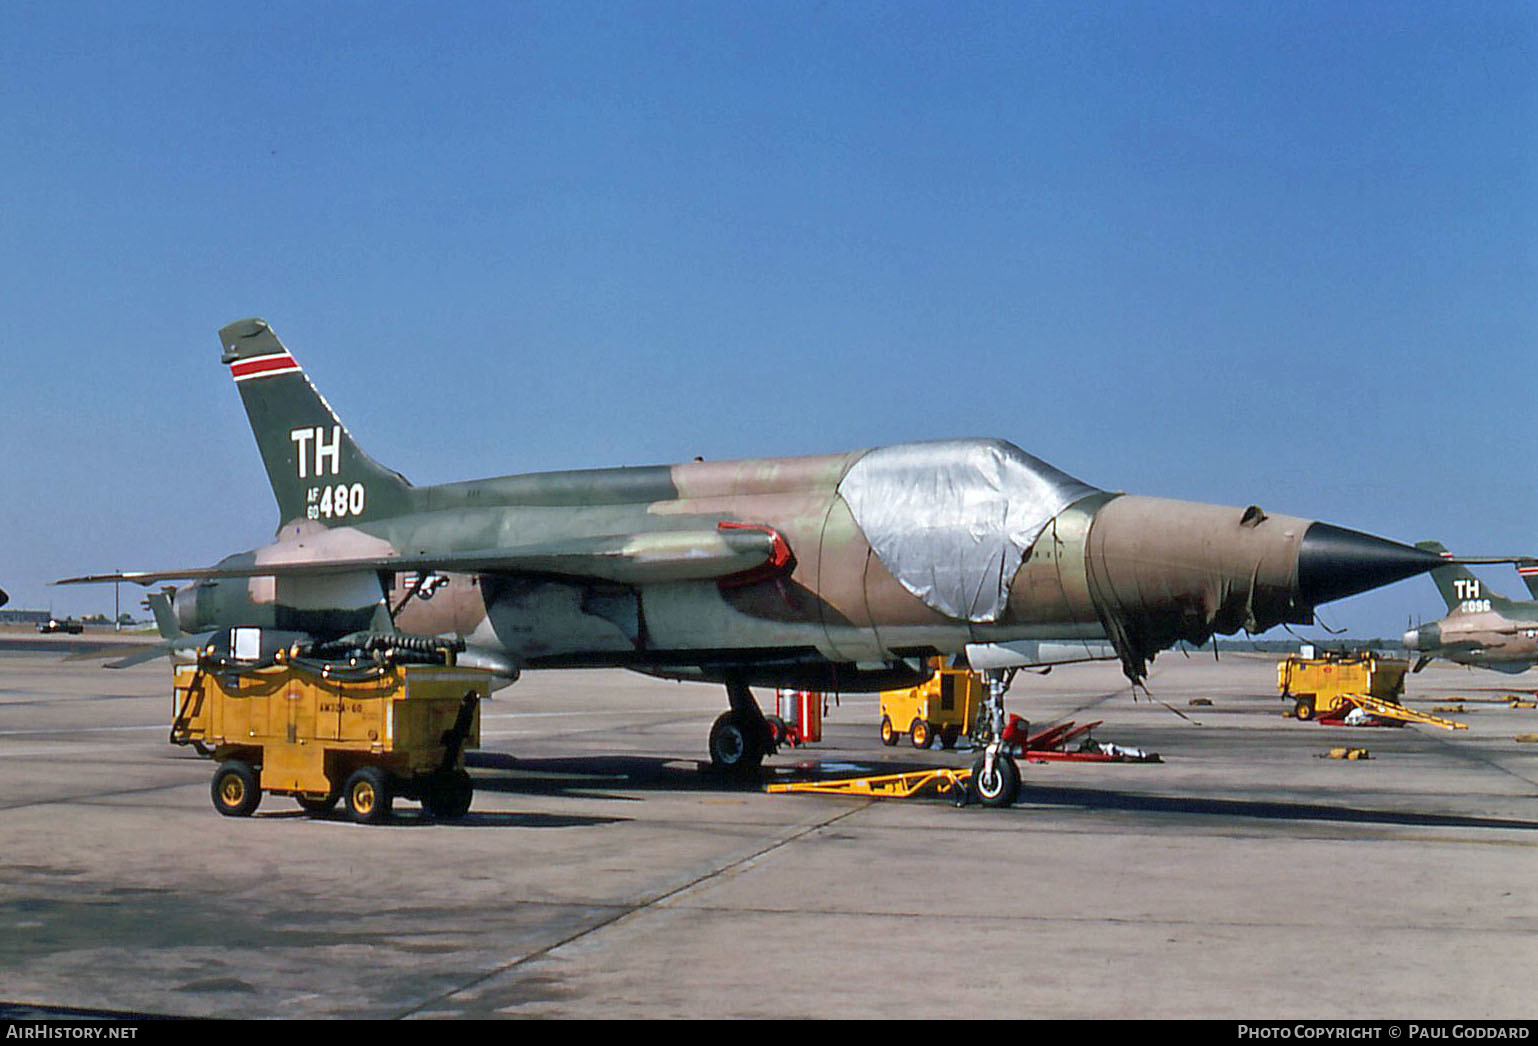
[[921, 734], [447, 795], [236, 789], [889, 736], [370, 795], [1304, 709]]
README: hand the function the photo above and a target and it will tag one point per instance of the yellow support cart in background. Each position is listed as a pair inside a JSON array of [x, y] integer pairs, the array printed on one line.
[[945, 707], [1321, 687]]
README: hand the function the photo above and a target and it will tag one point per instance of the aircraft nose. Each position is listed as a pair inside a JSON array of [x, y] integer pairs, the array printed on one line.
[[1334, 563]]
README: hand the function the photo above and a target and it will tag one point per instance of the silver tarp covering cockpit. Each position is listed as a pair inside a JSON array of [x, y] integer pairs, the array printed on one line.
[[953, 519]]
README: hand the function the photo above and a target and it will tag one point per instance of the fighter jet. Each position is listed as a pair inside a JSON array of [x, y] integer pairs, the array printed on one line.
[[1481, 629], [842, 572]]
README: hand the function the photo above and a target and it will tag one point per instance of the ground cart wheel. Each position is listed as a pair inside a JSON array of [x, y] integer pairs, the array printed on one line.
[[888, 735], [369, 795], [999, 788], [1304, 709], [236, 789], [921, 734], [447, 795]]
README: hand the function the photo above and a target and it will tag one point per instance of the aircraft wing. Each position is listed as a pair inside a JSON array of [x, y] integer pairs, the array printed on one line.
[[732, 553]]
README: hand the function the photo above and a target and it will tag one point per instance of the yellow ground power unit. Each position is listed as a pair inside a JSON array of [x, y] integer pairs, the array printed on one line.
[[364, 735]]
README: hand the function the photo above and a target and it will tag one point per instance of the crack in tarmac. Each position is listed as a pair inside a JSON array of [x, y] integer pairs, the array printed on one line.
[[434, 1004]]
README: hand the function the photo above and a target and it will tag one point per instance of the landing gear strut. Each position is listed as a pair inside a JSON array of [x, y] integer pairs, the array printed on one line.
[[741, 737], [995, 776]]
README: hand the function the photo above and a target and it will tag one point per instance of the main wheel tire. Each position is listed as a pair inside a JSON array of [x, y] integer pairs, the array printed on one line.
[[735, 745], [370, 796], [1002, 786], [236, 789], [447, 796], [922, 736]]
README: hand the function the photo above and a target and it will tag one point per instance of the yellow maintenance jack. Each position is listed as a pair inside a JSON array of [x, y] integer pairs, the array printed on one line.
[[994, 778], [363, 731], [953, 783], [1393, 710]]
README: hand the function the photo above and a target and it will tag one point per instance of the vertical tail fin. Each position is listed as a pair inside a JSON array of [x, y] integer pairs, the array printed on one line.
[[1527, 570], [316, 469], [1457, 584]]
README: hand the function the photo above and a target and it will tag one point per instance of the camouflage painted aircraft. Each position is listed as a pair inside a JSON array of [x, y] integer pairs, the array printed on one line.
[[1481, 629], [838, 572]]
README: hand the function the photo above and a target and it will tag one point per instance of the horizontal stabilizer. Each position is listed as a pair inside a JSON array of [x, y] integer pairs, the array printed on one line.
[[139, 657], [677, 555]]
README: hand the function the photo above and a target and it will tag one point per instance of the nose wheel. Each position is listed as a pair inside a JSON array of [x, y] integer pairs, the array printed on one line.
[[996, 775], [996, 778]]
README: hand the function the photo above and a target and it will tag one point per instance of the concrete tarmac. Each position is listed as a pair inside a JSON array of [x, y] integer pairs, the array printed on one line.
[[603, 873]]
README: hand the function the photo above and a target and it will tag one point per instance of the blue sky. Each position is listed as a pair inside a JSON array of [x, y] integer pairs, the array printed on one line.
[[1271, 253]]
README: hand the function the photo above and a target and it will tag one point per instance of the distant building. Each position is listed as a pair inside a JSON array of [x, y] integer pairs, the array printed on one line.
[[24, 617]]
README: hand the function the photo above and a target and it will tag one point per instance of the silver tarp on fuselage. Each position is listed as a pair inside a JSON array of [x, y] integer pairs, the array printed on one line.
[[953, 519]]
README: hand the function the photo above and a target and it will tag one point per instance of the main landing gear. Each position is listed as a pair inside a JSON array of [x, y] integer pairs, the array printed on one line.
[[741, 737]]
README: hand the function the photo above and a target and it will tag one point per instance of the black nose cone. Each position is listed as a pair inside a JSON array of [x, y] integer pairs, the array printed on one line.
[[1334, 563]]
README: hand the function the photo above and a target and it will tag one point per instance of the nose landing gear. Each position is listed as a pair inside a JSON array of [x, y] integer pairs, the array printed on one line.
[[995, 775]]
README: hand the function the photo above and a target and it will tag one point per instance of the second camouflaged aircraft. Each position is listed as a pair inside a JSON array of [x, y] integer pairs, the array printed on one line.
[[1482, 629], [840, 572]]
